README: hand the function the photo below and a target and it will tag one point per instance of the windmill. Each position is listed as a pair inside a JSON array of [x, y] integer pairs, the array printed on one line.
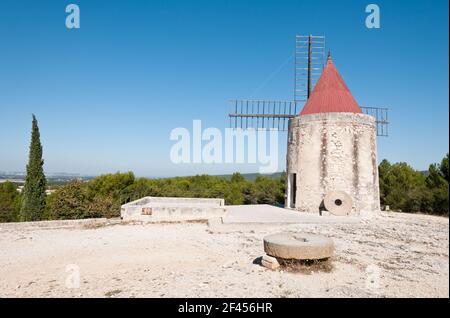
[[309, 60], [331, 160]]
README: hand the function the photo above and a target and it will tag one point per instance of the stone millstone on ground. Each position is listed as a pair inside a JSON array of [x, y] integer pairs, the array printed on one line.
[[338, 203], [298, 246]]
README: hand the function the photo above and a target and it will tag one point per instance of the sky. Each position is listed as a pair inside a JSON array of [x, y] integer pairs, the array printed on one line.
[[108, 95]]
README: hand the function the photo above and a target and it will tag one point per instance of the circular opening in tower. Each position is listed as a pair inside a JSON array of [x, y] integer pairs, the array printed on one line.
[[338, 202]]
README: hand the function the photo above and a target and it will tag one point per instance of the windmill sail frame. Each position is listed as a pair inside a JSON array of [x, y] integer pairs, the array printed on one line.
[[309, 60]]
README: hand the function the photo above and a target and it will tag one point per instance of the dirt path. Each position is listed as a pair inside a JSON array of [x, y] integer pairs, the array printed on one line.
[[400, 255]]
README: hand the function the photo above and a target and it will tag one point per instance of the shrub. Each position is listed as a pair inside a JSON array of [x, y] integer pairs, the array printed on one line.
[[9, 202]]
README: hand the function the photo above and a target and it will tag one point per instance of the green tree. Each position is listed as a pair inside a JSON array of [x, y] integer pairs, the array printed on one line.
[[409, 190], [70, 202], [110, 184], [437, 184], [233, 195], [75, 200], [383, 172], [403, 187], [249, 193], [140, 188], [434, 178], [443, 168], [269, 191], [33, 201], [237, 177], [9, 202]]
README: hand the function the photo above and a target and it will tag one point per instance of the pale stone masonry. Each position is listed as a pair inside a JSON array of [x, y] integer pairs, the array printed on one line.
[[329, 152]]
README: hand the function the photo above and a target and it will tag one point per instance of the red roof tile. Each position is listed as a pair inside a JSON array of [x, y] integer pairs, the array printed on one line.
[[330, 94]]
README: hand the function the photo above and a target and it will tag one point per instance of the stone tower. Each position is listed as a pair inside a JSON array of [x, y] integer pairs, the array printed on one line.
[[332, 151]]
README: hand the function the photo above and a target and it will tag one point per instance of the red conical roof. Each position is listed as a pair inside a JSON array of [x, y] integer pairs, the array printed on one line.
[[330, 94]]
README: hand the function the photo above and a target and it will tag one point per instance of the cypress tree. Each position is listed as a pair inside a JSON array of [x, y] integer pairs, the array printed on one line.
[[33, 200]]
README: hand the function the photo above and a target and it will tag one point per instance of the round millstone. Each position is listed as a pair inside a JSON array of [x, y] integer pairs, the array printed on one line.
[[299, 246], [338, 203]]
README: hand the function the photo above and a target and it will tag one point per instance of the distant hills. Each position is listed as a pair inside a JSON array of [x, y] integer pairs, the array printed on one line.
[[52, 178], [253, 176], [62, 177]]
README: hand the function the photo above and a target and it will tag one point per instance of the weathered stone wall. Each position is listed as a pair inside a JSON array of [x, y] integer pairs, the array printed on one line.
[[333, 151], [156, 209]]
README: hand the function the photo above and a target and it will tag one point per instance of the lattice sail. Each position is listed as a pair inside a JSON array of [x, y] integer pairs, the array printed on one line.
[[262, 114], [381, 119], [274, 114], [309, 60]]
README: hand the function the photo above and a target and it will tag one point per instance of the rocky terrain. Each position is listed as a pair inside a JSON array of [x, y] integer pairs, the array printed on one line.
[[396, 255]]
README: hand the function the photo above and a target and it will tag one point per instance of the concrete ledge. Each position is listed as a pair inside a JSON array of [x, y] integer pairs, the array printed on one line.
[[268, 214], [55, 224], [158, 209]]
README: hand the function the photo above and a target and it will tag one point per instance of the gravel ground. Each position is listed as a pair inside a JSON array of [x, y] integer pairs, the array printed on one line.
[[398, 255]]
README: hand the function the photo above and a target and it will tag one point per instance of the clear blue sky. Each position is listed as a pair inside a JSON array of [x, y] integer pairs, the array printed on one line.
[[108, 95]]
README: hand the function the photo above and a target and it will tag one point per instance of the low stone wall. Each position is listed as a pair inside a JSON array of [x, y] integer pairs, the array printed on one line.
[[156, 209], [55, 224]]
